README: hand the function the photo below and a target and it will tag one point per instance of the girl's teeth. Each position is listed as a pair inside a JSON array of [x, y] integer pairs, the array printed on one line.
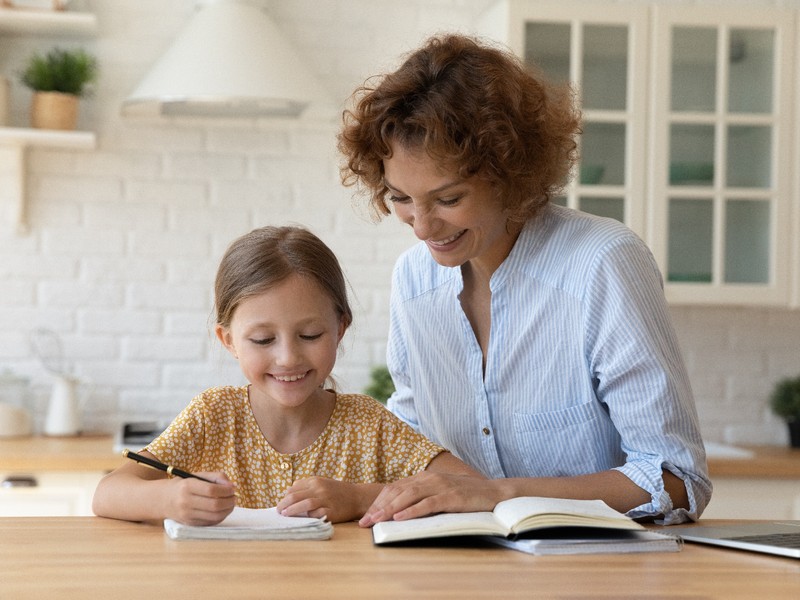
[[290, 378]]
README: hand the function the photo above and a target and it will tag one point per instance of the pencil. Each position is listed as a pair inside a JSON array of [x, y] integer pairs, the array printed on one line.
[[169, 469]]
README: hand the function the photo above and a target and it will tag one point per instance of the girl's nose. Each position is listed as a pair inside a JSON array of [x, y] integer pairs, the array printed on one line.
[[287, 353]]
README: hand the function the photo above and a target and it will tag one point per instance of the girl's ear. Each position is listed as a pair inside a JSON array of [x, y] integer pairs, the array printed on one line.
[[224, 336], [342, 329]]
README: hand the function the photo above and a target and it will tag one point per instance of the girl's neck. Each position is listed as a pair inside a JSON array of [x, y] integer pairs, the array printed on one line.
[[289, 430]]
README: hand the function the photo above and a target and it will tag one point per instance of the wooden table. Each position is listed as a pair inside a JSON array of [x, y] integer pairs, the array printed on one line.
[[90, 557]]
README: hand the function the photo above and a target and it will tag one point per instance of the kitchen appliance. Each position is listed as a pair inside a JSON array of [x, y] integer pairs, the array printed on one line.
[[231, 61], [15, 419], [136, 435]]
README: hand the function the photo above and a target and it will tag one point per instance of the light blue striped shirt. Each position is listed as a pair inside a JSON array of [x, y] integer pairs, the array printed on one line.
[[583, 370]]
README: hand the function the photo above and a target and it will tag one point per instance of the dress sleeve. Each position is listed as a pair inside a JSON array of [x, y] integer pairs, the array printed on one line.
[[639, 375], [403, 451], [181, 441]]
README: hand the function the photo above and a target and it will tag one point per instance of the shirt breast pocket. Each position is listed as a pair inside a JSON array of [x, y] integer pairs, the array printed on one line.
[[576, 440]]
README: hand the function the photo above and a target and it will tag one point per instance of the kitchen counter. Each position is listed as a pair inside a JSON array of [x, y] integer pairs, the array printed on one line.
[[42, 453], [96, 453], [766, 462]]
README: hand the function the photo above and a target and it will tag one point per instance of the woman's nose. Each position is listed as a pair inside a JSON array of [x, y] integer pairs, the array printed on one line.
[[421, 222]]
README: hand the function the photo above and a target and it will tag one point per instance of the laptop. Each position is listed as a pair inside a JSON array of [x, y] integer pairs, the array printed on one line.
[[770, 537]]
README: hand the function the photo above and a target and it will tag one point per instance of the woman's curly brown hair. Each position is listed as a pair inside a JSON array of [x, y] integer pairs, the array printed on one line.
[[472, 107]]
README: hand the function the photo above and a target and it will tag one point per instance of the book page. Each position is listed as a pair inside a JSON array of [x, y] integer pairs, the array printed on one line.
[[442, 525], [523, 514]]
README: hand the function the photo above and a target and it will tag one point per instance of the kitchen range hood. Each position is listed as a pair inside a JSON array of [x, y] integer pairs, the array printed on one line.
[[231, 61]]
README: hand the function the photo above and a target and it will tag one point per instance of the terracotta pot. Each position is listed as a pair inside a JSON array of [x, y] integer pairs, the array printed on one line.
[[54, 110]]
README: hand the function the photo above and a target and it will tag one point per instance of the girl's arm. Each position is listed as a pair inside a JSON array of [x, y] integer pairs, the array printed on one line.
[[136, 493]]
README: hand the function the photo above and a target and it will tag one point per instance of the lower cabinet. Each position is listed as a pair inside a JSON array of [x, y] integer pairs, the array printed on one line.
[[736, 498], [48, 494]]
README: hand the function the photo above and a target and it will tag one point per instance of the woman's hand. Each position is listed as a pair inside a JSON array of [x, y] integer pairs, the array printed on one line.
[[319, 497], [429, 493], [195, 502]]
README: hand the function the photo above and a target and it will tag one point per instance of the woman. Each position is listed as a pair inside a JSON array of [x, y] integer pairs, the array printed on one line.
[[532, 341]]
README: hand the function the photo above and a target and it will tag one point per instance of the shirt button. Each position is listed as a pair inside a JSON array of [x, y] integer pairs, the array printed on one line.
[[285, 466], [486, 431]]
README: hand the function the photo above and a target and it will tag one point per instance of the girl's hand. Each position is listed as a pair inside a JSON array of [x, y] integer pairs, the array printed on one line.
[[319, 497], [195, 502]]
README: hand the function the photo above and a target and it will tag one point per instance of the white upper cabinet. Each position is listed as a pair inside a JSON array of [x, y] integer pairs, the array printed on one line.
[[720, 181], [602, 50], [687, 134]]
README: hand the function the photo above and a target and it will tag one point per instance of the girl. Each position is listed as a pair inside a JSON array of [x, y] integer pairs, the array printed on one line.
[[283, 440]]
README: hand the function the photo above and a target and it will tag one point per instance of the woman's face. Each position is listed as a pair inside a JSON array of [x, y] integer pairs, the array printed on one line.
[[459, 220]]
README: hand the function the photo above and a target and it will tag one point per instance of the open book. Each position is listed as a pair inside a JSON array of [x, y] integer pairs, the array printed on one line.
[[253, 524], [537, 526]]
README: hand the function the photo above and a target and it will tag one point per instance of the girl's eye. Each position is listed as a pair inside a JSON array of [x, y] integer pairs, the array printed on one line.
[[262, 342], [311, 338]]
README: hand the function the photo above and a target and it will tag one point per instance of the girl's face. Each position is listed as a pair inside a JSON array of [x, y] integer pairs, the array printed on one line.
[[285, 339], [459, 220]]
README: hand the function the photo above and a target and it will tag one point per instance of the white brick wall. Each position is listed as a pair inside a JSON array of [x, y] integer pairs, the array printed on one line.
[[125, 239]]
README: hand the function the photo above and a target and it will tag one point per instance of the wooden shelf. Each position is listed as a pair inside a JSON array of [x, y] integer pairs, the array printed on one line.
[[14, 141], [23, 136], [20, 21]]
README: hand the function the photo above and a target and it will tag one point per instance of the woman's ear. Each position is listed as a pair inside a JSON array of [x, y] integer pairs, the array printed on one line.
[[224, 336]]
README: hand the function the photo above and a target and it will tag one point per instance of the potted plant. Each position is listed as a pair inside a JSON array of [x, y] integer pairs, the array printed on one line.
[[58, 79], [785, 402], [380, 385]]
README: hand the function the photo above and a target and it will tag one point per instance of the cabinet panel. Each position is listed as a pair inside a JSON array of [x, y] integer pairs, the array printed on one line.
[[51, 495], [754, 499], [720, 191], [689, 116], [601, 50]]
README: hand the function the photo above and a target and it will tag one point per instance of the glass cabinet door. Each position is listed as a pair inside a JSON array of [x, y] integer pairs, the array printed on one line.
[[601, 51], [719, 185]]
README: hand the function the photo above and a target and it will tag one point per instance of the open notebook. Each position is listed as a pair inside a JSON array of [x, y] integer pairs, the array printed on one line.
[[776, 537], [253, 524]]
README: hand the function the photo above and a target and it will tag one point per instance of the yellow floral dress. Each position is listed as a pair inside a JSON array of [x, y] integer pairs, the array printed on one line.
[[362, 443]]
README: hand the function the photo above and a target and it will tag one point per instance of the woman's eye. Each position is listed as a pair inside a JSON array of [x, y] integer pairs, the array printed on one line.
[[449, 201], [396, 199]]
